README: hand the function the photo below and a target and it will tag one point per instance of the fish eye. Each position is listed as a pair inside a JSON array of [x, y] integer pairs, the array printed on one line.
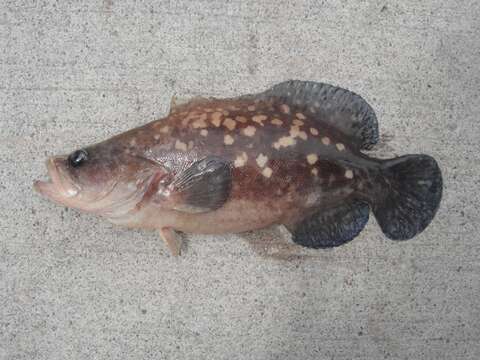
[[77, 158]]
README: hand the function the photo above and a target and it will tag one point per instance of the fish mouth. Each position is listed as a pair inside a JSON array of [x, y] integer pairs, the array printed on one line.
[[60, 187]]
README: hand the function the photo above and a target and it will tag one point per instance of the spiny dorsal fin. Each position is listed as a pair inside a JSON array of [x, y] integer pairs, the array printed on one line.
[[341, 109], [178, 104], [331, 227]]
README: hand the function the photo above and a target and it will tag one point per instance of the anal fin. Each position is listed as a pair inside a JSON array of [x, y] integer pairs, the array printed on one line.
[[332, 227]]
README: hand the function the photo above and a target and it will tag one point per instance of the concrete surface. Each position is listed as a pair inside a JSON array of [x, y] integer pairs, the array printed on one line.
[[75, 287]]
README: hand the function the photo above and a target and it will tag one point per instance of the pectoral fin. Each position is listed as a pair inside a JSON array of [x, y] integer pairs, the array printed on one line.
[[204, 186], [172, 239]]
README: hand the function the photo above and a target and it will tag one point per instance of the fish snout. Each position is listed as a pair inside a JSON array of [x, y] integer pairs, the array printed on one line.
[[60, 185]]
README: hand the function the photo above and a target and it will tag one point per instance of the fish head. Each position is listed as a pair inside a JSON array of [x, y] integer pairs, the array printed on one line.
[[105, 178]]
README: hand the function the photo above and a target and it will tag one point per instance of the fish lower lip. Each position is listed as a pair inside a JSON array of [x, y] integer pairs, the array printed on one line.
[[67, 188], [50, 191], [38, 184], [57, 187], [43, 187]]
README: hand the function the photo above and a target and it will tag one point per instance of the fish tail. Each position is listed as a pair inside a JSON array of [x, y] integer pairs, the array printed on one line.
[[410, 196]]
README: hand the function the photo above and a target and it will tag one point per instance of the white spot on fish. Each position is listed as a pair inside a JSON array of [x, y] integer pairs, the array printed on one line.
[[133, 142], [200, 122], [262, 160], [277, 122], [300, 116], [228, 140], [180, 145], [295, 132], [349, 174], [204, 132], [314, 171], [240, 160], [326, 141], [216, 118], [340, 147], [313, 131], [267, 172], [229, 124], [259, 119], [156, 137], [312, 158], [284, 141], [241, 119], [249, 131]]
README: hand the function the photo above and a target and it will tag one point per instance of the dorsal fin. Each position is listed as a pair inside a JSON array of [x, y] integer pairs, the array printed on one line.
[[178, 104], [341, 109]]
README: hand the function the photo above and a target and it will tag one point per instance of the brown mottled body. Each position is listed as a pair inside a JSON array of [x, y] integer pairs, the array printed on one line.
[[290, 155], [285, 163]]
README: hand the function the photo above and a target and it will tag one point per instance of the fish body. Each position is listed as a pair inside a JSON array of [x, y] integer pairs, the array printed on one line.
[[291, 155]]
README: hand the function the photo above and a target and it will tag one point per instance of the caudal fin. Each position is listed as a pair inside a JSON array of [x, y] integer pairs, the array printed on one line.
[[410, 197]]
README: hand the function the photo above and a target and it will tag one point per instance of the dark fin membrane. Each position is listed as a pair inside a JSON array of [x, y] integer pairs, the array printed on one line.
[[411, 197], [341, 109], [204, 186], [332, 227]]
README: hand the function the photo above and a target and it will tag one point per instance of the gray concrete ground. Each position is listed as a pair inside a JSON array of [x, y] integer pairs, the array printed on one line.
[[73, 286]]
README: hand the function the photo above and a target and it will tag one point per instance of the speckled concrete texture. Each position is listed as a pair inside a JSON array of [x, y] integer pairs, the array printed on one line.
[[72, 286]]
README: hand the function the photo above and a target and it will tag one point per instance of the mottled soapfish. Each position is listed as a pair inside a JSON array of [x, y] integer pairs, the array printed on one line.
[[290, 155]]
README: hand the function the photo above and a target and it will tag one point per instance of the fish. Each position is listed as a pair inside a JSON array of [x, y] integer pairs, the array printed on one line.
[[292, 155]]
